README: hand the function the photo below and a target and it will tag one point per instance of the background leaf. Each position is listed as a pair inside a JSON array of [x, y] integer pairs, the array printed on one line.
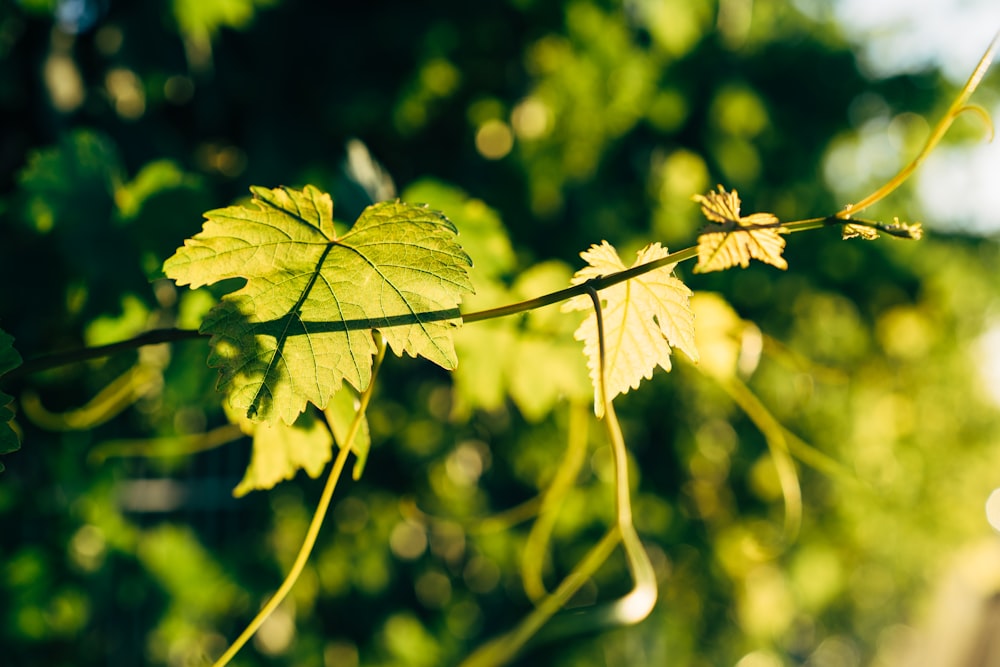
[[532, 359], [9, 360], [303, 322]]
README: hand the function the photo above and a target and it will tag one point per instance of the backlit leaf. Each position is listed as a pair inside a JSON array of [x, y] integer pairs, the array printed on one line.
[[9, 360], [280, 450], [852, 231], [869, 230], [756, 236], [303, 322], [643, 318]]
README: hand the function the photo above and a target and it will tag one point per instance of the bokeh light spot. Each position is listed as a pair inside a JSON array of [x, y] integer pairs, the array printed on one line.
[[341, 653], [126, 92], [993, 509], [760, 659], [64, 82], [88, 547], [275, 636], [351, 515], [179, 89], [494, 139], [407, 540], [433, 589], [530, 119]]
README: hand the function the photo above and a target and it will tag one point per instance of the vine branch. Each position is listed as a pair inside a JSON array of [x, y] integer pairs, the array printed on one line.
[[57, 359], [157, 336], [959, 106]]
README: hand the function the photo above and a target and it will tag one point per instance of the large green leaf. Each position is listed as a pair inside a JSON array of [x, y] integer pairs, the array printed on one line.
[[303, 322], [9, 360]]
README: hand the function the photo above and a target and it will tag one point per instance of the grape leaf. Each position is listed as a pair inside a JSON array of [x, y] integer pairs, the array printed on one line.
[[303, 322], [756, 236], [280, 450], [643, 318], [869, 230], [852, 231], [9, 360]]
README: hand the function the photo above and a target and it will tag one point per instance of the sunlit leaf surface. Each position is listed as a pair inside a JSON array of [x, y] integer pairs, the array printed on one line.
[[303, 322], [280, 450], [643, 318], [756, 236]]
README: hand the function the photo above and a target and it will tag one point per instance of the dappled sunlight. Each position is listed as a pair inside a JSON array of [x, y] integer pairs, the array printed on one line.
[[126, 92], [494, 139], [993, 509], [64, 82]]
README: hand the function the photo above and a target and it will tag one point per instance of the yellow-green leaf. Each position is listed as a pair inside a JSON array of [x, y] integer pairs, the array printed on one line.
[[303, 322], [643, 318], [852, 231], [869, 230], [741, 238], [280, 450]]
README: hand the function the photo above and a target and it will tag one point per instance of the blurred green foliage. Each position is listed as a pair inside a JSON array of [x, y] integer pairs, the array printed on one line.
[[540, 128]]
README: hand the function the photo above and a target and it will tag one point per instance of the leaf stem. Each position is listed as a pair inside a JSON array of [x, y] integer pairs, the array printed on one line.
[[502, 649], [157, 336], [638, 603], [314, 526], [538, 540], [603, 282], [957, 107], [57, 359]]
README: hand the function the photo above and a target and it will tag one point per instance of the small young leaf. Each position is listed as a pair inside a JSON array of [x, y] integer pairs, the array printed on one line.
[[9, 360], [756, 236], [853, 231], [904, 230], [303, 322], [869, 230], [643, 318]]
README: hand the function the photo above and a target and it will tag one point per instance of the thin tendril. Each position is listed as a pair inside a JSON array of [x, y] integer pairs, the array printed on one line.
[[314, 526]]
